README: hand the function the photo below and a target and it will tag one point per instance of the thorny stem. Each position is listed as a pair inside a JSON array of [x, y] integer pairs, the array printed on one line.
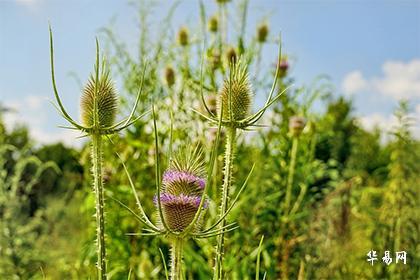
[[176, 258], [229, 155], [100, 204], [291, 174]]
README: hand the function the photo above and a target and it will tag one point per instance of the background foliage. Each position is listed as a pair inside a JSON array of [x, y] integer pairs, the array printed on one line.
[[352, 192]]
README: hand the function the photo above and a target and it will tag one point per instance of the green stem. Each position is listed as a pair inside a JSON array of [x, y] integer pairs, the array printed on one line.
[[99, 203], [229, 154], [176, 258], [291, 174]]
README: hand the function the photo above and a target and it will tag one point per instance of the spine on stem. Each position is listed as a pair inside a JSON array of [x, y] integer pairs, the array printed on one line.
[[227, 182], [176, 258], [99, 204]]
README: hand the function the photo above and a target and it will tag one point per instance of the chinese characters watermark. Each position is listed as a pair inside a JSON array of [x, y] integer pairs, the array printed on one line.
[[387, 259]]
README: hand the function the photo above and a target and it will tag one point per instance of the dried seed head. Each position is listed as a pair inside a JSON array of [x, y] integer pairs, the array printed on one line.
[[296, 125], [231, 55], [183, 36], [105, 98], [262, 32], [182, 187], [213, 24], [169, 76], [236, 94]]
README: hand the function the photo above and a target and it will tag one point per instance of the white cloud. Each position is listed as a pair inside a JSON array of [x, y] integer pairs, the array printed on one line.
[[399, 80], [381, 121], [29, 111], [388, 123], [354, 82]]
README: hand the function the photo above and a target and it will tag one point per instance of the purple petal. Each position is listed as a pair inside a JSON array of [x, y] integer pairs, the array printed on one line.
[[166, 198], [171, 176]]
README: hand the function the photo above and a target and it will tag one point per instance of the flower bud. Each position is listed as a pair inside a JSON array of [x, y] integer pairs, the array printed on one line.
[[183, 36], [105, 99], [169, 76], [213, 24], [262, 33], [231, 55], [282, 68], [296, 125], [211, 102]]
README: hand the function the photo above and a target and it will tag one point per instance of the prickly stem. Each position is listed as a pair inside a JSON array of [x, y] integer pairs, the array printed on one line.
[[291, 174], [176, 258], [99, 204], [227, 182]]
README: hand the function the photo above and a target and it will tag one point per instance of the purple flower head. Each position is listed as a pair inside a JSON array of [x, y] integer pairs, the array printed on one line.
[[179, 210], [166, 199], [175, 176]]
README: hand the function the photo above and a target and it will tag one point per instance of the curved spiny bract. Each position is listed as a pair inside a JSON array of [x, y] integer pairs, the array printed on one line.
[[105, 98]]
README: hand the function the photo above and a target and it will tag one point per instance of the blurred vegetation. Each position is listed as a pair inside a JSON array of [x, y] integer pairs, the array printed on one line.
[[351, 192]]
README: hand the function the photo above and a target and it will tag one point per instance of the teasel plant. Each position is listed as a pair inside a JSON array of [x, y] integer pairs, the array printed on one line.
[[296, 126], [234, 113], [181, 200], [98, 105]]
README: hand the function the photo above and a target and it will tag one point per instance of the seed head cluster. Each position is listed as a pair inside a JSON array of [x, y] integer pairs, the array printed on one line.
[[103, 94], [236, 94]]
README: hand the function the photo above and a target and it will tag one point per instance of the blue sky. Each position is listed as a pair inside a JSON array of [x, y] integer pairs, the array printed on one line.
[[370, 49]]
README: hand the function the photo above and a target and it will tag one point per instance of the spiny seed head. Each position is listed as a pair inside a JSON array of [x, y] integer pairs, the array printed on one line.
[[262, 32], [169, 76], [183, 36], [182, 187], [105, 98], [296, 125], [236, 94], [231, 55], [213, 24]]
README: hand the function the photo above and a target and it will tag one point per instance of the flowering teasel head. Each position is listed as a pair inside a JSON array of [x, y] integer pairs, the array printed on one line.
[[183, 35], [182, 189], [296, 125], [262, 32]]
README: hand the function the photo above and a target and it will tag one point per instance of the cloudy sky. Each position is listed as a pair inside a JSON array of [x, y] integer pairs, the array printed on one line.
[[369, 48]]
